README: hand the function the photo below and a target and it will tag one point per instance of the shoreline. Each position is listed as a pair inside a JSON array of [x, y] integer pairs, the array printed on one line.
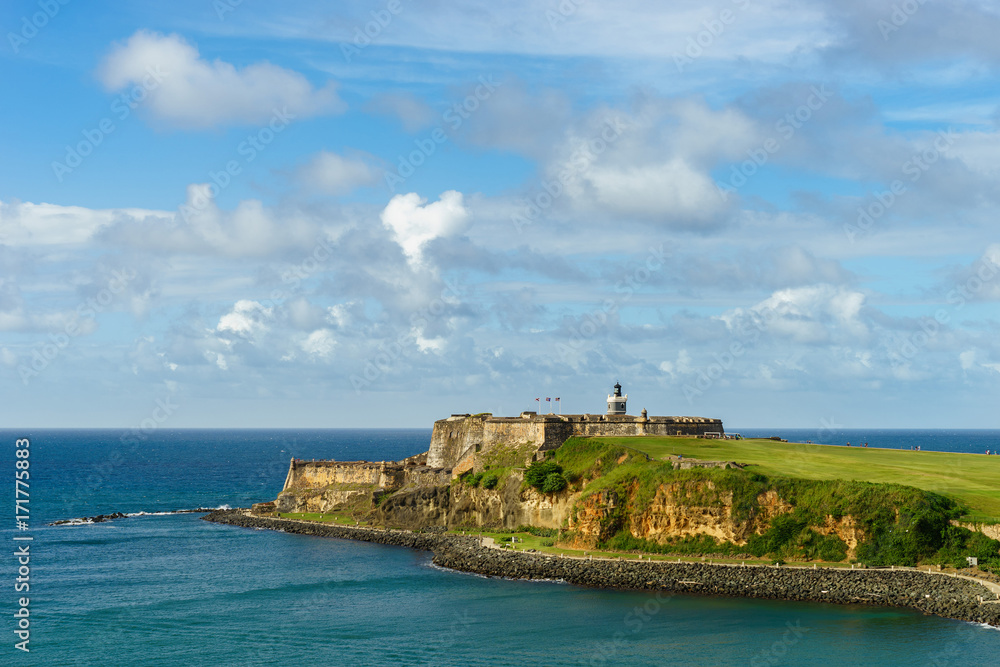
[[948, 596]]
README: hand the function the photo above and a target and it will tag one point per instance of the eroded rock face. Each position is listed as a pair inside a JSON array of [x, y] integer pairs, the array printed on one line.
[[595, 518], [458, 505], [418, 508], [677, 510], [326, 500], [669, 516], [846, 528]]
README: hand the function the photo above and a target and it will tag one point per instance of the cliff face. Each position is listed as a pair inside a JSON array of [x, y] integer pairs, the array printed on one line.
[[673, 513], [322, 486], [420, 498], [457, 506]]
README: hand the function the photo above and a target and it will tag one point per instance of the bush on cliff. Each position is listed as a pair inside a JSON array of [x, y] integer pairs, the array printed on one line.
[[778, 537], [490, 479], [538, 471], [959, 543], [912, 535], [554, 482]]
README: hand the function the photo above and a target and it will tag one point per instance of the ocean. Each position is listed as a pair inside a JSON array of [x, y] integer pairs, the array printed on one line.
[[168, 589]]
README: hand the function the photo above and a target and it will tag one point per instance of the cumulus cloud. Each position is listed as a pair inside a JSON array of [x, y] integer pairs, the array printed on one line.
[[319, 343], [652, 162], [809, 315], [414, 222], [247, 318], [335, 174], [199, 226], [29, 224], [671, 188], [182, 89]]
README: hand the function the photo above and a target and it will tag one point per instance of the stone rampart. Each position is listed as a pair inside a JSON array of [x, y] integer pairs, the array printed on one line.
[[454, 438], [462, 436], [381, 475]]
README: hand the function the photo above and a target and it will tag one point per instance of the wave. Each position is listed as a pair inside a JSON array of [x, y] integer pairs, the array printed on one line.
[[101, 518], [73, 522], [985, 626]]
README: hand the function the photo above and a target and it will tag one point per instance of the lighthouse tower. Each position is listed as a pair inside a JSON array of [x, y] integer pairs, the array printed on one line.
[[616, 403]]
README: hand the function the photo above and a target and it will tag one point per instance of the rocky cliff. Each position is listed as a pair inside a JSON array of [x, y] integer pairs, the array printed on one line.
[[613, 497]]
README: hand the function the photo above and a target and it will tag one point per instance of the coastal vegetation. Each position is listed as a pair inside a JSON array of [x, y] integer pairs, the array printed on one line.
[[660, 497], [899, 524], [970, 479]]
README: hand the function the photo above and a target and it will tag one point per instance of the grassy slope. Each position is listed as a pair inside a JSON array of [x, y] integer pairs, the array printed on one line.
[[973, 479]]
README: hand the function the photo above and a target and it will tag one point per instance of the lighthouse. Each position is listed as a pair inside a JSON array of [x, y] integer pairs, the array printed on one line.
[[616, 402]]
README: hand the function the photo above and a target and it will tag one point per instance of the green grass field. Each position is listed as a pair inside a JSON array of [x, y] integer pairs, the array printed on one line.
[[336, 516], [973, 479]]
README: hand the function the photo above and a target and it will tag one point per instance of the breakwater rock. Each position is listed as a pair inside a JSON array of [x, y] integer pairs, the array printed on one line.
[[101, 518], [947, 596]]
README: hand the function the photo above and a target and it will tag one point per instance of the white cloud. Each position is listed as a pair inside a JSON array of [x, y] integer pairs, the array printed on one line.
[[335, 174], [813, 314], [184, 90], [413, 222], [652, 162], [247, 318], [201, 227], [670, 188], [28, 224], [319, 343]]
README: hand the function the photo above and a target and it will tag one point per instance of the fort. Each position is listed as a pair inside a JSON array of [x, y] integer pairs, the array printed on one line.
[[464, 442], [638, 488]]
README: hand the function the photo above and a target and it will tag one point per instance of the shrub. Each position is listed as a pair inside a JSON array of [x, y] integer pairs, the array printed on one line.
[[783, 530], [538, 471], [554, 483], [490, 479], [473, 479], [832, 549], [904, 541], [961, 542]]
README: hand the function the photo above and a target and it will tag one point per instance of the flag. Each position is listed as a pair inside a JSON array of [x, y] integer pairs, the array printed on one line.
[[557, 398], [548, 400]]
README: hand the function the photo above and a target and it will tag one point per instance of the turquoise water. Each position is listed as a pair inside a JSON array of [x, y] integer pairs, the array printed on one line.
[[173, 590]]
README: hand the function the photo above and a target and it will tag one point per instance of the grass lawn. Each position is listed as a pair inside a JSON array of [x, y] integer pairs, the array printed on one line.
[[529, 541], [973, 479], [338, 517]]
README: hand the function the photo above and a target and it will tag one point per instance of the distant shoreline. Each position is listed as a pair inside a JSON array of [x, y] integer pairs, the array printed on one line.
[[942, 595]]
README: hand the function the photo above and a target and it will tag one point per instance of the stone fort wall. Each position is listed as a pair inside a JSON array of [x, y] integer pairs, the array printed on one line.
[[380, 475], [457, 440]]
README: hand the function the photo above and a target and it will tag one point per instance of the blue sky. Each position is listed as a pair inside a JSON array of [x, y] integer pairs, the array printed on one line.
[[778, 214]]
